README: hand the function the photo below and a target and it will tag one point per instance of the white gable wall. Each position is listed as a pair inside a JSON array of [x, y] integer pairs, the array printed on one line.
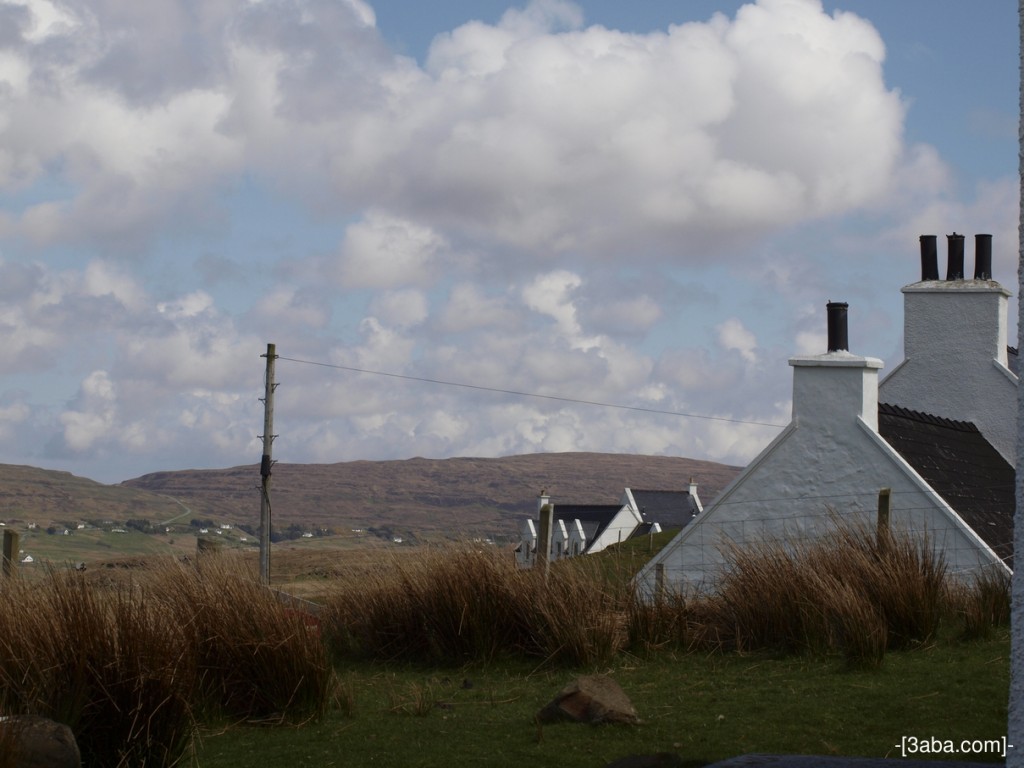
[[955, 362], [619, 529], [830, 458], [527, 551]]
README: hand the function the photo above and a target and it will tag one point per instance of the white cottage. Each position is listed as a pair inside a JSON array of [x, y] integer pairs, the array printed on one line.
[[842, 447], [588, 528]]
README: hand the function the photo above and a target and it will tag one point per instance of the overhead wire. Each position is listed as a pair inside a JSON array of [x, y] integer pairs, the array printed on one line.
[[518, 393]]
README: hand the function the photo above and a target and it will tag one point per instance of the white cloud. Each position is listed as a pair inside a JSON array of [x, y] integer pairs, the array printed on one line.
[[542, 206], [92, 417], [733, 335], [469, 308], [403, 309], [384, 251]]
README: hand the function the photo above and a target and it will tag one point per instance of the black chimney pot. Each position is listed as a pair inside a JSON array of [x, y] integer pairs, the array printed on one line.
[[838, 340], [955, 263], [983, 257], [929, 258]]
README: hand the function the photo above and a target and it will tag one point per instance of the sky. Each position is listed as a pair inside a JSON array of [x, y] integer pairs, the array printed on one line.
[[471, 228]]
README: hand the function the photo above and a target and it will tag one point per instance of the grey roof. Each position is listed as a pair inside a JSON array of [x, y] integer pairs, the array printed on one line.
[[961, 466], [670, 509], [593, 517]]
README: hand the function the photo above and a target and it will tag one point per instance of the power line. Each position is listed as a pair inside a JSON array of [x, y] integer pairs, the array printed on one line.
[[531, 394]]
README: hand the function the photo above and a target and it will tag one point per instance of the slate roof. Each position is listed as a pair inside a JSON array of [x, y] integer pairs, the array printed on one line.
[[1012, 360], [670, 509], [961, 466], [593, 517]]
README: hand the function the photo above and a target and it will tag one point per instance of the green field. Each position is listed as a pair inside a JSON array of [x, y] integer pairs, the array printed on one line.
[[701, 707]]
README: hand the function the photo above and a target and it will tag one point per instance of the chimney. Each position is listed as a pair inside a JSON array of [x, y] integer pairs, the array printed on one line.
[[830, 389], [543, 500], [696, 499], [838, 338], [929, 258], [983, 257], [955, 261]]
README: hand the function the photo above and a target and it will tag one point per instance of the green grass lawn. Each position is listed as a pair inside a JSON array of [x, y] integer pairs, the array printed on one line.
[[705, 708]]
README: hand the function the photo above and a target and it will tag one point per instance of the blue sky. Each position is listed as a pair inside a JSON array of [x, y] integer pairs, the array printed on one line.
[[640, 204]]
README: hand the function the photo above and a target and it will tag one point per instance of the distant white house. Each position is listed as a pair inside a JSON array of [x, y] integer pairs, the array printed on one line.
[[580, 529], [946, 473]]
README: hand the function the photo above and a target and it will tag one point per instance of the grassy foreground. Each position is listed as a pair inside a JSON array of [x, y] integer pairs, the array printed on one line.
[[846, 645], [702, 707]]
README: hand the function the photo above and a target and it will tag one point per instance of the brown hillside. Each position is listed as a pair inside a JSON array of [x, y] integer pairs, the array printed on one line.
[[418, 496], [46, 496]]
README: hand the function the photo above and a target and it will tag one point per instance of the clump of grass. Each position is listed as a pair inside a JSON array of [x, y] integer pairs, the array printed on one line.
[[849, 591], [983, 603], [256, 658], [419, 701], [104, 663], [580, 616], [453, 605], [129, 664]]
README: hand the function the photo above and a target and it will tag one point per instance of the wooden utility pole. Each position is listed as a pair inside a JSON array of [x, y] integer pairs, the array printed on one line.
[[265, 464]]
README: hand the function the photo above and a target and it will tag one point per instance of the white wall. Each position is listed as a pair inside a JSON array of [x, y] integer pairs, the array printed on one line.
[[830, 458], [619, 529]]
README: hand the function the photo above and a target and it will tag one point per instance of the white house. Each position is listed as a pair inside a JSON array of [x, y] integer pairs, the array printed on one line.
[[956, 360], [842, 447], [588, 528]]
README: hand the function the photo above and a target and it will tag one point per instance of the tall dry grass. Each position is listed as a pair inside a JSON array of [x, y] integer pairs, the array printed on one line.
[[256, 657], [105, 662], [454, 605], [130, 665], [982, 604], [848, 591]]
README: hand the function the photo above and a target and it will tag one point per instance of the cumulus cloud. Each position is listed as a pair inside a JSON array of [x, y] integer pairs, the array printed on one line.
[[384, 251], [540, 206], [92, 416], [536, 132], [734, 336], [403, 309]]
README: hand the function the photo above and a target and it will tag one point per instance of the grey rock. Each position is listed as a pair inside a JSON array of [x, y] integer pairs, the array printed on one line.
[[40, 742], [590, 699]]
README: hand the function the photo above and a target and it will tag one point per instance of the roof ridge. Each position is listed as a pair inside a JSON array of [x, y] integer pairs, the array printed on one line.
[[926, 418]]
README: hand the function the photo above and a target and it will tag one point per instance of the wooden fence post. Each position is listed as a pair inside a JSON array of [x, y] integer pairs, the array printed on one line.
[[10, 563], [659, 580], [883, 531], [547, 523]]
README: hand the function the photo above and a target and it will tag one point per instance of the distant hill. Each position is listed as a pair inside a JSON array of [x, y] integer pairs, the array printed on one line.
[[46, 496], [477, 496], [418, 497]]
